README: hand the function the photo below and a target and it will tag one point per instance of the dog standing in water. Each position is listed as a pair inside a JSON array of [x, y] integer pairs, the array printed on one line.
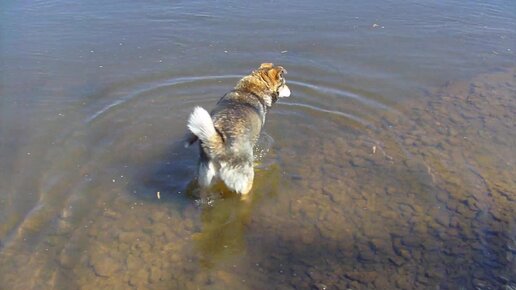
[[228, 134]]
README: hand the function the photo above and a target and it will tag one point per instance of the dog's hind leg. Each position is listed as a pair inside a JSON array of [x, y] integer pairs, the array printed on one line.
[[249, 184], [206, 173], [239, 179]]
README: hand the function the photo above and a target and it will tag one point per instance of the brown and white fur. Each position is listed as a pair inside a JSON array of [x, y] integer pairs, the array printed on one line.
[[228, 134]]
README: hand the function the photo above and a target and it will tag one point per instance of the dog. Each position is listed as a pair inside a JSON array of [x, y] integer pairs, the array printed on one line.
[[228, 134]]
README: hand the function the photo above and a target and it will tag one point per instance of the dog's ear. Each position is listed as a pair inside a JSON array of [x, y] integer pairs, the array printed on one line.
[[281, 70], [266, 65]]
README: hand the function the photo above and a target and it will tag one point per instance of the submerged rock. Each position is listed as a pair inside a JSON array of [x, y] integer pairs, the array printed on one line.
[[104, 266]]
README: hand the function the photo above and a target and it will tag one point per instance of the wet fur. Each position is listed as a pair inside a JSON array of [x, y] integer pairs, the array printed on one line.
[[228, 134]]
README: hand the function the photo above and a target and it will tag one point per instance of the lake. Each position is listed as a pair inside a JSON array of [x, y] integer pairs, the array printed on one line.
[[391, 166]]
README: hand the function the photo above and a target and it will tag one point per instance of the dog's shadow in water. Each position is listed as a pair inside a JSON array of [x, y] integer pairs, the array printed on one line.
[[165, 176]]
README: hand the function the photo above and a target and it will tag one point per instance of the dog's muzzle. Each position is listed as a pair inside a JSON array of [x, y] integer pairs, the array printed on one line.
[[284, 92]]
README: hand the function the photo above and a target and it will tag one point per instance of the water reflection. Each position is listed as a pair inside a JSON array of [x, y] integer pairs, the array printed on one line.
[[222, 233], [225, 218]]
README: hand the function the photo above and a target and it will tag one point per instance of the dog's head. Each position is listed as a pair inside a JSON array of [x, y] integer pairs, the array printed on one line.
[[274, 77], [268, 82]]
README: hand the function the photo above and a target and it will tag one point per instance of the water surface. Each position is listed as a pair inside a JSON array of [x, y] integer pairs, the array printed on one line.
[[390, 167]]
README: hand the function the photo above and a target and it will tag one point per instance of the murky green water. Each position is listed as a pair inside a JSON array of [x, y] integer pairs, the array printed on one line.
[[391, 166]]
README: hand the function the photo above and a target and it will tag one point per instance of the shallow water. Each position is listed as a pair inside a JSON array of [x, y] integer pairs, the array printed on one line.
[[390, 167]]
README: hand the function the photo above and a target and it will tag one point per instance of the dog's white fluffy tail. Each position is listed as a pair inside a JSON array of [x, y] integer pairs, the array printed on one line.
[[201, 125]]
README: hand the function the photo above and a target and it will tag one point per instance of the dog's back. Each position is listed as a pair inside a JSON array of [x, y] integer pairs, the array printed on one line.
[[238, 117]]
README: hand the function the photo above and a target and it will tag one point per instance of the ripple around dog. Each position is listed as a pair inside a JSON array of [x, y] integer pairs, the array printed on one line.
[[167, 87]]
